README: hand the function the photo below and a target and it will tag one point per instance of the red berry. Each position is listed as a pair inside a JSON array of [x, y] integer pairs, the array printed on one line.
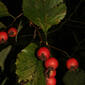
[[43, 53], [51, 63], [3, 37], [12, 32], [51, 81], [50, 73], [72, 63]]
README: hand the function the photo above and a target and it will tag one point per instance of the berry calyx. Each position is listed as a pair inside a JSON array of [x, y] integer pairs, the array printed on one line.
[[72, 63], [3, 37], [43, 53], [51, 63], [12, 32], [50, 73], [51, 81]]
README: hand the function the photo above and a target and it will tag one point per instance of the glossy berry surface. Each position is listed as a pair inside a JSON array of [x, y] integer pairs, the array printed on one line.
[[3, 37], [51, 81], [12, 32], [72, 63], [51, 63], [43, 53], [50, 73]]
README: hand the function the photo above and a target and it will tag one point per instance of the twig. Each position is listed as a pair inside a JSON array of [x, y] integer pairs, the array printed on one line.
[[76, 38], [74, 21], [58, 49], [51, 45], [41, 40], [37, 30], [16, 18]]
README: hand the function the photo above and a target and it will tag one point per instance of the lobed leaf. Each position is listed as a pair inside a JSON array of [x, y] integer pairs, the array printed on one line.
[[74, 78], [2, 25], [28, 67], [3, 55], [3, 10], [44, 13]]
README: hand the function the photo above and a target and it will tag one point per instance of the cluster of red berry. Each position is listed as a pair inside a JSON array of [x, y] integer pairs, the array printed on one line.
[[12, 32], [51, 64]]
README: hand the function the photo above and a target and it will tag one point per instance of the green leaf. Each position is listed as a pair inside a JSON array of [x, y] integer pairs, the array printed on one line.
[[74, 78], [2, 25], [39, 78], [28, 67], [20, 26], [4, 81], [3, 56], [44, 13], [3, 10]]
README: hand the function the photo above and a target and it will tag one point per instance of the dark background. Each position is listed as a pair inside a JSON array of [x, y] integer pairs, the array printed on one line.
[[67, 37]]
